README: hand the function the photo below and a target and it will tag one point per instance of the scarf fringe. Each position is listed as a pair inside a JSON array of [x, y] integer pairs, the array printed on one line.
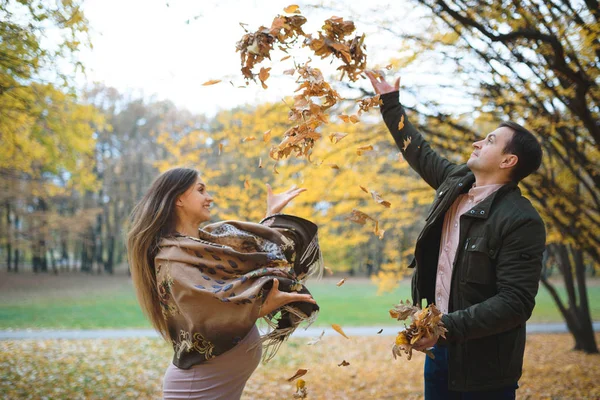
[[273, 339], [313, 251]]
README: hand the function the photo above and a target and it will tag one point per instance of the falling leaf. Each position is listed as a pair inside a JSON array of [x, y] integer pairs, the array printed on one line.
[[406, 142], [260, 162], [267, 136], [289, 71], [339, 330], [220, 148], [377, 231], [381, 330], [211, 82], [316, 340], [248, 139], [401, 123], [388, 67], [329, 271], [349, 118], [400, 156], [362, 149], [275, 169], [285, 58], [247, 184], [337, 136], [359, 217], [334, 166], [364, 189], [378, 199], [292, 9], [298, 374], [340, 283], [344, 363], [263, 75]]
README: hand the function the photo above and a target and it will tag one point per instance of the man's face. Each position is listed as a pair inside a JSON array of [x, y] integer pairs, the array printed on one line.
[[487, 153]]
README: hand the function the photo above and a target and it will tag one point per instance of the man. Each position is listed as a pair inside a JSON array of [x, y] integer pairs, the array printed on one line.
[[478, 257]]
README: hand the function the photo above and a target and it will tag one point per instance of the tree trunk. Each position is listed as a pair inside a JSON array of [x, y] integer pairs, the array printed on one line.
[[17, 253], [577, 314], [8, 238]]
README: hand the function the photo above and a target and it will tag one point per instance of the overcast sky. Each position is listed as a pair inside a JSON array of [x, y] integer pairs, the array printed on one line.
[[146, 47]]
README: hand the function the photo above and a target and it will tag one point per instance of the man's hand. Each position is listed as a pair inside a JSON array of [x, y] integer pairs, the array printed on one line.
[[380, 85], [425, 343], [277, 299], [276, 202]]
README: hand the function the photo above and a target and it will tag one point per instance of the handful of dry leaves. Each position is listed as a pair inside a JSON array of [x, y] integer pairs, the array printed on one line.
[[426, 323]]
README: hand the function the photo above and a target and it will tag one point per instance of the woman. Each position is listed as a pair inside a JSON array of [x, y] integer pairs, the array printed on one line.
[[204, 289]]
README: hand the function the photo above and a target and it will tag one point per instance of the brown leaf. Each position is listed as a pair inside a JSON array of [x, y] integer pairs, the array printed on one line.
[[211, 82], [378, 199], [260, 162], [364, 189], [220, 148], [329, 271], [340, 283], [263, 75], [359, 217], [285, 58], [406, 143], [344, 363], [289, 71], [339, 330], [248, 139], [247, 184], [381, 330], [298, 374], [388, 67], [333, 166]]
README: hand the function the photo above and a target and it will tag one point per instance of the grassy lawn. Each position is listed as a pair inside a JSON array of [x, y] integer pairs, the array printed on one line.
[[92, 302]]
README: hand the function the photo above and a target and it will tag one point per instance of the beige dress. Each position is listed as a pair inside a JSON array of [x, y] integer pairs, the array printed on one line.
[[222, 377]]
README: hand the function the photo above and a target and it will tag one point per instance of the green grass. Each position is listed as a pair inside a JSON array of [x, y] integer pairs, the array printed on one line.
[[115, 306]]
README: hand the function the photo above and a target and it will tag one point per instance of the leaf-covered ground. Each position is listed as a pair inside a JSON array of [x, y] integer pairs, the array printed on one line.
[[133, 369]]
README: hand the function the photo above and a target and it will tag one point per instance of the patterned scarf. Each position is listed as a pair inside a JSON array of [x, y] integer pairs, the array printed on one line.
[[211, 288]]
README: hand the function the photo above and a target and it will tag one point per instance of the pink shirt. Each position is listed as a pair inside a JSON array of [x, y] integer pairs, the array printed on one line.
[[450, 237]]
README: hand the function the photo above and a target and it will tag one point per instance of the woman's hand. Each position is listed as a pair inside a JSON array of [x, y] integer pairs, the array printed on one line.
[[276, 202], [277, 299], [380, 85]]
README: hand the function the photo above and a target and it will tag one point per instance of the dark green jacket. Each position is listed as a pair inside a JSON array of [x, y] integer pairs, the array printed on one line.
[[495, 273]]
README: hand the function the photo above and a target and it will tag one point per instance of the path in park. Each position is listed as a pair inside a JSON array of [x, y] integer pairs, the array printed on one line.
[[300, 333]]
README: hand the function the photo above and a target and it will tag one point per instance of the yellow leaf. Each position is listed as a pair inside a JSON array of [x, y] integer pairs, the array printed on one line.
[[401, 123], [248, 139], [340, 283], [267, 136], [339, 330], [292, 9], [337, 136], [211, 82]]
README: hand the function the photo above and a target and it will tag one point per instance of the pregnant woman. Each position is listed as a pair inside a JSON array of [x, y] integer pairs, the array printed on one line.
[[204, 289]]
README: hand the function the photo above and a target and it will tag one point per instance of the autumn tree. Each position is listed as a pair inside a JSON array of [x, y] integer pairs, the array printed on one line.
[[45, 133], [536, 63]]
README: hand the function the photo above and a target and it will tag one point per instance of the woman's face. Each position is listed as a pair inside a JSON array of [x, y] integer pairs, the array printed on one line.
[[194, 203]]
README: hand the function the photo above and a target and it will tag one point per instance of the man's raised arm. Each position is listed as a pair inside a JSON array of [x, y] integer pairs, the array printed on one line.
[[415, 149]]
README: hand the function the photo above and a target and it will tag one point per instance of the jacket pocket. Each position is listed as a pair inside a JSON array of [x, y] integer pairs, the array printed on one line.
[[479, 257]]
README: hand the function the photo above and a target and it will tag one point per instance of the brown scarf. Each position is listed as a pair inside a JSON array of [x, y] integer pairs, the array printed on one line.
[[211, 289]]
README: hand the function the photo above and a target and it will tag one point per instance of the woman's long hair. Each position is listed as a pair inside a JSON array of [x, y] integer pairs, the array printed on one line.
[[151, 219]]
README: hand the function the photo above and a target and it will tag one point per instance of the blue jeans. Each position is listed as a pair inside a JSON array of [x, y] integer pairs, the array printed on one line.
[[436, 382]]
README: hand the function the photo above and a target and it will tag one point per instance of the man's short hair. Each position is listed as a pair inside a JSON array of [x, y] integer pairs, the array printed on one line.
[[526, 147]]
